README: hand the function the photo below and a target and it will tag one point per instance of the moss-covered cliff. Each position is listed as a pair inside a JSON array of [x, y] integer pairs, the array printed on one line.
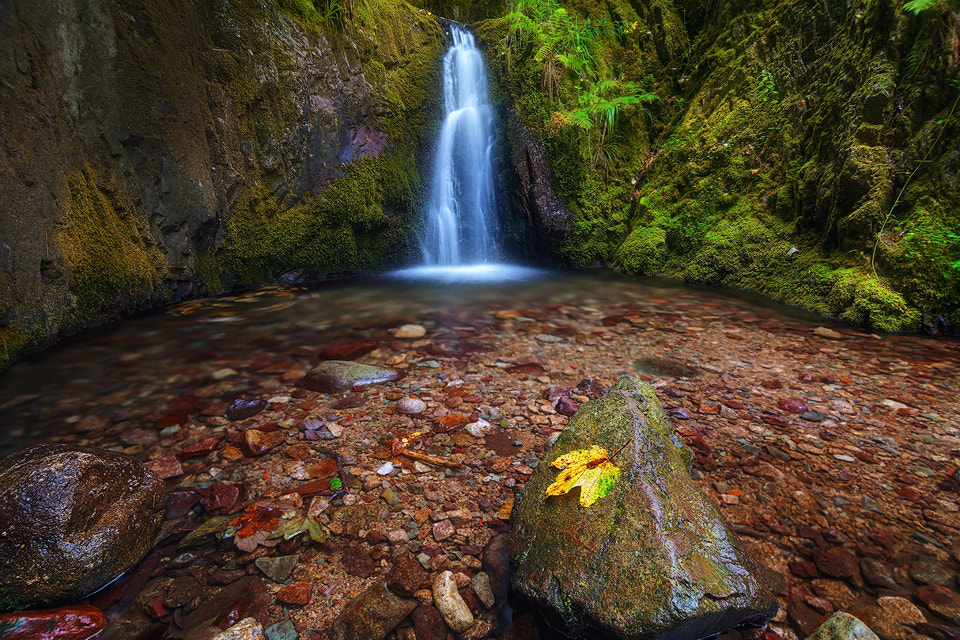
[[806, 150], [153, 151]]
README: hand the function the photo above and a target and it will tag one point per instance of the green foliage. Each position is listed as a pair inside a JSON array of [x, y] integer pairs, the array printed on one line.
[[917, 7], [766, 87]]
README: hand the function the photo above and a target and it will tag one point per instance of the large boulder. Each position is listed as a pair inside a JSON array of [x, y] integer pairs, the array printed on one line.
[[654, 558], [72, 519]]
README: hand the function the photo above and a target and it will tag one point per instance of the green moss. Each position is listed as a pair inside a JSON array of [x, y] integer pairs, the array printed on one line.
[[102, 241], [347, 227]]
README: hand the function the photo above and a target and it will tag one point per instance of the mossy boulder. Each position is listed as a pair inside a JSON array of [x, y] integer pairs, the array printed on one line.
[[654, 558], [72, 518]]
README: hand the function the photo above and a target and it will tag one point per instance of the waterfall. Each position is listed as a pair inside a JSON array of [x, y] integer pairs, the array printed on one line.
[[461, 223]]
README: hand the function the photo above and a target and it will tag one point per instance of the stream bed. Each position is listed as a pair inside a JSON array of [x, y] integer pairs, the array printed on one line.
[[832, 451]]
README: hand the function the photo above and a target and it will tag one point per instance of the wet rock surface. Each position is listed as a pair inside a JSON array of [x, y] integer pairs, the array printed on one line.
[[72, 518], [79, 622], [340, 375], [874, 476], [652, 558]]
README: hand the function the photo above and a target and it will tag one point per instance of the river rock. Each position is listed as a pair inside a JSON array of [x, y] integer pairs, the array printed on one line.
[[246, 629], [339, 375], [77, 622], [372, 614], [450, 604], [411, 406], [843, 626], [72, 518], [410, 332], [654, 557]]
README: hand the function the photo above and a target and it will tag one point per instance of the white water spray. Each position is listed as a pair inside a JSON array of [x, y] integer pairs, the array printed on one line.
[[461, 223]]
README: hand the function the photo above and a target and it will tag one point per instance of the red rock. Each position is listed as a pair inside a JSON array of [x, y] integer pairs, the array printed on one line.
[[220, 497], [171, 419], [868, 552], [78, 622], [909, 493], [708, 409], [179, 502], [805, 569], [836, 562], [771, 383], [257, 442], [166, 467], [882, 538], [734, 404], [566, 406], [792, 405], [406, 577], [348, 350], [200, 448], [908, 411], [154, 605], [298, 593]]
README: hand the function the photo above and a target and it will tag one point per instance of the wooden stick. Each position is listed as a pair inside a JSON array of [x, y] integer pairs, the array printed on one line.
[[437, 462]]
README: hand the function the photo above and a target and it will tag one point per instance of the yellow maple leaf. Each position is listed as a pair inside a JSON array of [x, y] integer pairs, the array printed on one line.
[[590, 469]]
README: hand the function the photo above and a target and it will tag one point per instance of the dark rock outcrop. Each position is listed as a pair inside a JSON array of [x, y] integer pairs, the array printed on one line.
[[153, 152], [654, 558], [72, 519]]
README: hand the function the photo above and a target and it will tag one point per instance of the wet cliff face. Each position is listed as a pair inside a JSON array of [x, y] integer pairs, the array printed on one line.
[[806, 150], [149, 153]]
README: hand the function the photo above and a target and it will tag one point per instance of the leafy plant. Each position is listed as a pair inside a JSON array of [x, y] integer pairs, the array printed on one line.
[[766, 86]]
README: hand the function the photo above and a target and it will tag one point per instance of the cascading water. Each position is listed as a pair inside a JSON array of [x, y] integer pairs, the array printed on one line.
[[461, 222], [459, 241]]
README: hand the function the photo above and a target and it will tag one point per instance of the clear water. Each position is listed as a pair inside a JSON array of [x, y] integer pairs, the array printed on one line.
[[137, 367], [460, 226]]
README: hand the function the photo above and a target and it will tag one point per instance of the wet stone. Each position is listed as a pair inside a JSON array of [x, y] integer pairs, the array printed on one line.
[[279, 568], [878, 574], [337, 375], [283, 630], [843, 626], [298, 593], [941, 601], [612, 574], [241, 409], [246, 629], [411, 406], [932, 572], [73, 518], [836, 562], [406, 576], [450, 604], [480, 583], [76, 622], [894, 617], [372, 614], [357, 562], [410, 332], [428, 623]]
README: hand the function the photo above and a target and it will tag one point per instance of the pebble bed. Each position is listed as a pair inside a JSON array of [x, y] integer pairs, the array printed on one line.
[[833, 452]]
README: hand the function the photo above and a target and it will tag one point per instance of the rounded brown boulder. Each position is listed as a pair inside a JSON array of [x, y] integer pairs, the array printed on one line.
[[72, 518]]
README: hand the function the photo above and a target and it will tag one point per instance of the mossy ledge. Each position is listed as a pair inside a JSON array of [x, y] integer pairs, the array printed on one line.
[[809, 154]]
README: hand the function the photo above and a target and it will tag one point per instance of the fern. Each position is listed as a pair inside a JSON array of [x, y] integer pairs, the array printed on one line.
[[918, 6]]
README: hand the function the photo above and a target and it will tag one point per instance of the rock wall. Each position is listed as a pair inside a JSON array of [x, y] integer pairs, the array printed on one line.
[[808, 151], [151, 152]]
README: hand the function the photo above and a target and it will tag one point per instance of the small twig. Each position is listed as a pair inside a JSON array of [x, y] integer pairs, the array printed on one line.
[[620, 449], [422, 457]]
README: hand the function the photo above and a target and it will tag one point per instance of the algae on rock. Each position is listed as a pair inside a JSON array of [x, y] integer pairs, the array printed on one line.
[[654, 558]]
